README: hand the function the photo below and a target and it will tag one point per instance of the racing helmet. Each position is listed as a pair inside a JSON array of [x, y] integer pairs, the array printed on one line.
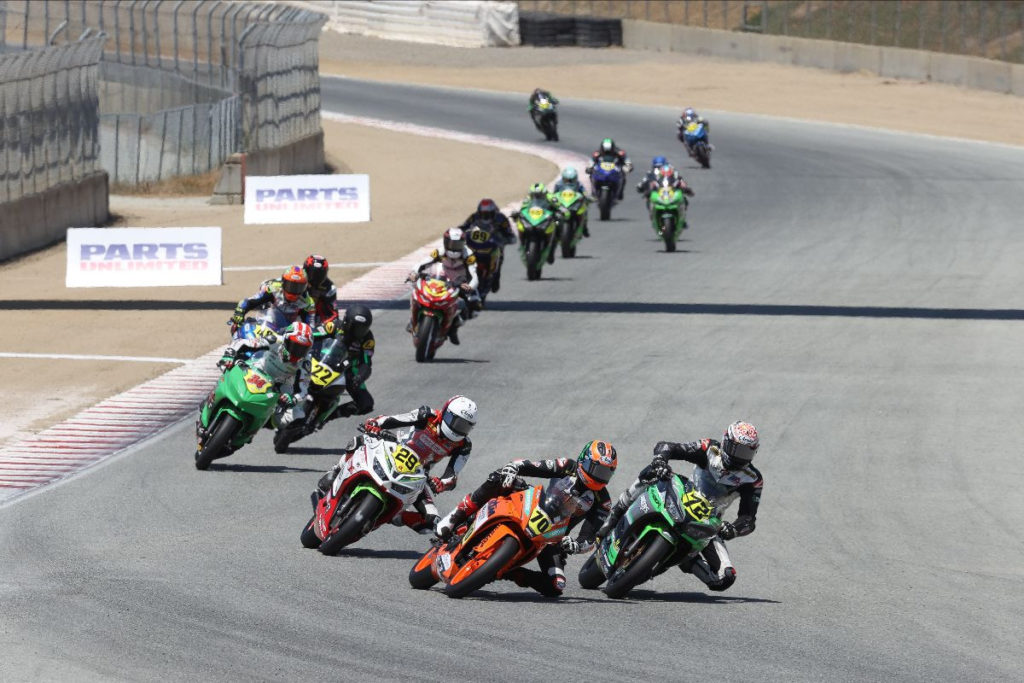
[[569, 174], [487, 210], [454, 242], [607, 145], [596, 464], [315, 269], [739, 445], [356, 322], [658, 162], [666, 172], [538, 191], [298, 340], [458, 417], [689, 115], [293, 283]]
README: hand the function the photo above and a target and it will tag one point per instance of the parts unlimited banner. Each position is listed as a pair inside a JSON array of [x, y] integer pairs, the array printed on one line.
[[143, 257], [307, 199]]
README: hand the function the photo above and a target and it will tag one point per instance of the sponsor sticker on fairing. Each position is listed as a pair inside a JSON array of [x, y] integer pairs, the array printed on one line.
[[307, 199], [143, 257]]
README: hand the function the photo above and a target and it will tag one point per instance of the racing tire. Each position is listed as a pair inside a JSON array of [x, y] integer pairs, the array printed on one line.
[[308, 536], [533, 264], [590, 575], [703, 155], [605, 203], [282, 439], [668, 233], [487, 572], [640, 569], [223, 431], [427, 331], [422, 577], [361, 513], [568, 232]]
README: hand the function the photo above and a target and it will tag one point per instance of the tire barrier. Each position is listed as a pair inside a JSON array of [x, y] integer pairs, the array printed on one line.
[[544, 29]]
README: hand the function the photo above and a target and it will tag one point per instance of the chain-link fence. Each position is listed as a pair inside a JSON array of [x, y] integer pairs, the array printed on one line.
[[980, 28], [183, 84], [49, 119]]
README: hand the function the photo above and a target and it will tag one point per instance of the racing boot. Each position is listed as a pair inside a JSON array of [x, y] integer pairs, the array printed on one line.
[[586, 230], [613, 518], [453, 333], [550, 586], [420, 523], [324, 485], [703, 567], [447, 525]]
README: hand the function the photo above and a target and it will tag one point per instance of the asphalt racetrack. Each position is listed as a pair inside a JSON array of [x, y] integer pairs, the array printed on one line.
[[854, 293]]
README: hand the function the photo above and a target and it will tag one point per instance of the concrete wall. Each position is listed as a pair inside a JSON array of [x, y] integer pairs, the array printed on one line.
[[302, 156], [42, 219], [892, 62]]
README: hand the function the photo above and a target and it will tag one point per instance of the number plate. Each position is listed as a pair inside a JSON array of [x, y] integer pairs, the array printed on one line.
[[321, 374], [607, 165], [539, 522], [536, 213], [697, 506], [406, 461], [256, 383]]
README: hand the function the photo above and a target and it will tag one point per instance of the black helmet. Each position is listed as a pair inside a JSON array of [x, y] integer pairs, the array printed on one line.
[[356, 322], [487, 210], [316, 269]]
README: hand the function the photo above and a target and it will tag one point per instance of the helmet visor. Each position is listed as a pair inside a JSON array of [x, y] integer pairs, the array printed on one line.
[[457, 425], [737, 454], [292, 287], [295, 348], [597, 471]]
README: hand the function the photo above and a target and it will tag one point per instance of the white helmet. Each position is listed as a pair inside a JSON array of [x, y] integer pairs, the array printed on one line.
[[458, 418], [454, 242]]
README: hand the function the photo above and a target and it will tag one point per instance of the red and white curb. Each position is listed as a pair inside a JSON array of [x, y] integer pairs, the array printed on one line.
[[117, 423]]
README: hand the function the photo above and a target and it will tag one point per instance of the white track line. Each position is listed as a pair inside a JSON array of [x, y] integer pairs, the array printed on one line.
[[75, 356], [65, 450], [368, 264]]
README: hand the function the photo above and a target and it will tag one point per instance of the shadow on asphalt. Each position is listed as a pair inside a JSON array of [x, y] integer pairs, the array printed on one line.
[[691, 597], [444, 361], [521, 595], [387, 554], [261, 469], [313, 450]]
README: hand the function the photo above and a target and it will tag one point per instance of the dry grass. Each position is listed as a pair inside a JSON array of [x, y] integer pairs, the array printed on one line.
[[183, 186]]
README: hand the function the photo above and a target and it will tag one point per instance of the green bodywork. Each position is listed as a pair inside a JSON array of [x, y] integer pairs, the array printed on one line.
[[244, 394], [575, 207], [668, 202]]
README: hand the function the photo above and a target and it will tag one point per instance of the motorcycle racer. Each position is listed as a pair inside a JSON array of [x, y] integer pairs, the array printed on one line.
[[570, 180], [285, 362], [589, 474], [608, 151], [535, 97], [321, 290], [689, 116], [438, 434], [489, 218], [456, 264], [540, 196], [650, 178], [722, 473], [355, 334], [287, 294]]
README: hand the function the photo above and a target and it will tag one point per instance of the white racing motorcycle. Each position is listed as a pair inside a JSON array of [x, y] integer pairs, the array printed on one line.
[[375, 483]]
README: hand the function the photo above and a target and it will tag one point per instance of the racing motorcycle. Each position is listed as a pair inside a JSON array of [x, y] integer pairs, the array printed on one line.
[[489, 249], [695, 138], [377, 481], [668, 213], [537, 227], [241, 403], [435, 305], [507, 532], [668, 523], [575, 206], [326, 389], [545, 114], [607, 179], [269, 318]]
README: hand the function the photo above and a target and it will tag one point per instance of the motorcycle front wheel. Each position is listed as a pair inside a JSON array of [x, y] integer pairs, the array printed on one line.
[[639, 568], [533, 264], [362, 512], [223, 431], [487, 571], [668, 233], [428, 331]]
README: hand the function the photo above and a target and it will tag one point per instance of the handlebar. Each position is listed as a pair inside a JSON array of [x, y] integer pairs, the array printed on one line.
[[384, 434]]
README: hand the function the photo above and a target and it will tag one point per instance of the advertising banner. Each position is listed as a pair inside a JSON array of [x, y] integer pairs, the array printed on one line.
[[307, 199], [143, 257]]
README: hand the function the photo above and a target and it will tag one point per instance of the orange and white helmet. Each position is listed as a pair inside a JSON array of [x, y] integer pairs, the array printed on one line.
[[596, 464], [293, 283]]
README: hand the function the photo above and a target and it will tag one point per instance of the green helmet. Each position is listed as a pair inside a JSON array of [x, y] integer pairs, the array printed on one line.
[[607, 145], [538, 190], [569, 174]]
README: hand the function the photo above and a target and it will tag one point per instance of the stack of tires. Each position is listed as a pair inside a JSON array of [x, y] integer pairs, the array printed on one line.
[[544, 29]]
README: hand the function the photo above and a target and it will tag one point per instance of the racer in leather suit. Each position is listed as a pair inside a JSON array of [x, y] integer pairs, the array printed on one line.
[[569, 179], [587, 478], [456, 264], [609, 151], [287, 294], [488, 218], [721, 478], [437, 434]]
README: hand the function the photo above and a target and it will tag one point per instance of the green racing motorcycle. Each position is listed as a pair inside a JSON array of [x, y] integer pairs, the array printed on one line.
[[668, 523], [537, 227], [668, 213], [574, 205], [241, 403]]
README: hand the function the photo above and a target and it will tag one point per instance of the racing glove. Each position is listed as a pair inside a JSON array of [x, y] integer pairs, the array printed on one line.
[[286, 400], [727, 532], [508, 475], [570, 546], [238, 317], [435, 484], [659, 468], [371, 427]]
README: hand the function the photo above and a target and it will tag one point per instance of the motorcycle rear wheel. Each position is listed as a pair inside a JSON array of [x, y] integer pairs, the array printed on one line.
[[591, 576], [427, 330], [308, 536], [640, 569], [223, 431], [361, 513], [487, 571]]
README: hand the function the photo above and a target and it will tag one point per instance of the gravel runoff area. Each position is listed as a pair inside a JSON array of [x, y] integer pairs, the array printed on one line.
[[410, 207]]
